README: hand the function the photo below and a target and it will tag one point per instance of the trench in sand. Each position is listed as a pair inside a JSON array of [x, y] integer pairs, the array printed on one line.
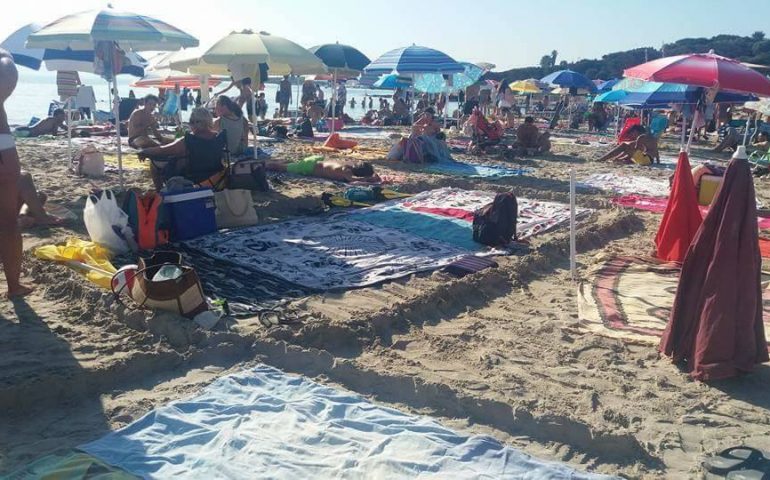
[[148, 350]]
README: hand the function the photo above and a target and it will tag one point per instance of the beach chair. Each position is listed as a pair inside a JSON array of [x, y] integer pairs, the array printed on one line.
[[485, 134], [630, 122]]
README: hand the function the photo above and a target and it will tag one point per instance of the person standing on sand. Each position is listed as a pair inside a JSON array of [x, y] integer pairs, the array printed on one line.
[[10, 172], [284, 97]]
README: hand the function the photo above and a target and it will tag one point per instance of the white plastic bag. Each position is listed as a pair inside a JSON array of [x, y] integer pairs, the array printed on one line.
[[107, 223]]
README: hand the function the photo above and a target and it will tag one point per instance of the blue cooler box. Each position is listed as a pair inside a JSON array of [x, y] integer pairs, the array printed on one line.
[[191, 213]]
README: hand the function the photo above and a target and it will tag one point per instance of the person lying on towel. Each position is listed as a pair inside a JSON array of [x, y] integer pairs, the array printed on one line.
[[198, 156], [641, 149], [316, 166], [46, 126]]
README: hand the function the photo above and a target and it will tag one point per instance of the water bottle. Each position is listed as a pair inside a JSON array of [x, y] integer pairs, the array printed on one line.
[[167, 272]]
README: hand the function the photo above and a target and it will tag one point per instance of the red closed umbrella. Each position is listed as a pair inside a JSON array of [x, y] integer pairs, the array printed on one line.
[[703, 70], [682, 217]]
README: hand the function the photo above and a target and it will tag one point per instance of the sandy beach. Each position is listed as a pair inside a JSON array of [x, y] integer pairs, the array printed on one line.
[[500, 352]]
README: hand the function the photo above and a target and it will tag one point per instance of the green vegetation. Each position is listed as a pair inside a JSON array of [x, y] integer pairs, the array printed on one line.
[[751, 49]]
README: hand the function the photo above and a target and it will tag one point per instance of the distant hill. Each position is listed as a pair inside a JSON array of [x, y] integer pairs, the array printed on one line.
[[751, 49]]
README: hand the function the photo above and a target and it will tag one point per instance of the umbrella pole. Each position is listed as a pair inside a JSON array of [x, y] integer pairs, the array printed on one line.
[[116, 111], [69, 130], [334, 99], [297, 117], [684, 130], [746, 131], [204, 84], [254, 126]]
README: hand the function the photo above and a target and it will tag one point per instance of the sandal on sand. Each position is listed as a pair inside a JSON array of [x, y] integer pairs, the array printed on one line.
[[736, 458]]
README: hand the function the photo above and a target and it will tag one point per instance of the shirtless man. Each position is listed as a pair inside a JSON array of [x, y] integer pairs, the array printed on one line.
[[400, 109], [640, 142], [47, 126], [529, 138], [10, 172], [245, 96], [142, 124], [316, 166]]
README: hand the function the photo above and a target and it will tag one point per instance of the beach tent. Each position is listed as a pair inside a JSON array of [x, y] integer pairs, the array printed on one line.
[[108, 32], [341, 60]]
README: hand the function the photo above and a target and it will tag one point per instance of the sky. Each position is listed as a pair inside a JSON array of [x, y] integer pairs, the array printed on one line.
[[507, 33]]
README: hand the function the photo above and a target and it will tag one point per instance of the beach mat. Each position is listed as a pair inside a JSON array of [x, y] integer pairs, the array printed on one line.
[[70, 465], [130, 161], [327, 252], [658, 205], [472, 170], [446, 214], [247, 294], [625, 184], [263, 423], [630, 298]]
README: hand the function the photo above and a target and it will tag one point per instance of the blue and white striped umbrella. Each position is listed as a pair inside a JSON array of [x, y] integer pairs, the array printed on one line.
[[392, 82], [413, 60], [61, 60]]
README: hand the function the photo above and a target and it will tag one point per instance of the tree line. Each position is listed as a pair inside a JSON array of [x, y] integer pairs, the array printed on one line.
[[752, 49]]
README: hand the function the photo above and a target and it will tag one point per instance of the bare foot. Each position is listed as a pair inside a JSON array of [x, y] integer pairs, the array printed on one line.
[[20, 291]]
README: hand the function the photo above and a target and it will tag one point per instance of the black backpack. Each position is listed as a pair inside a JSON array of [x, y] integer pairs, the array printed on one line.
[[495, 224]]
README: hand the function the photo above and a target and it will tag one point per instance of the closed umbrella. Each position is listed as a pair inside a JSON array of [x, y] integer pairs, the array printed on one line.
[[340, 59], [167, 78], [106, 32]]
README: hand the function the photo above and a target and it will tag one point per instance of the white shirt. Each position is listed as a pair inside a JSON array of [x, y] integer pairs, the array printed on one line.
[[85, 97]]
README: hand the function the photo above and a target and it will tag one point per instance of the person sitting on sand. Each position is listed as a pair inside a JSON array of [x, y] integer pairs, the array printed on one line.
[[316, 166], [641, 149], [31, 205], [230, 119], [197, 156], [426, 124], [529, 138], [46, 126], [142, 124], [400, 110], [315, 113]]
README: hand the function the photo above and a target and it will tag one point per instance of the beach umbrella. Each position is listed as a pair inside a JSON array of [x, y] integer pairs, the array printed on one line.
[[167, 78], [241, 53], [643, 94], [525, 86], [108, 32], [340, 59], [703, 70], [715, 327], [438, 83], [486, 66], [607, 85], [761, 106], [569, 79], [393, 81], [413, 60]]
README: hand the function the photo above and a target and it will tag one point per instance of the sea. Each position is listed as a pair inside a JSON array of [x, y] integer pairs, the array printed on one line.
[[36, 90]]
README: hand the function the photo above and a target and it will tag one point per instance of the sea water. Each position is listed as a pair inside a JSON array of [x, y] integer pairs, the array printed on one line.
[[37, 89]]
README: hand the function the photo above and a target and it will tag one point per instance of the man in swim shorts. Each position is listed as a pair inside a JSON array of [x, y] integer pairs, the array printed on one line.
[[10, 172], [142, 125], [316, 166]]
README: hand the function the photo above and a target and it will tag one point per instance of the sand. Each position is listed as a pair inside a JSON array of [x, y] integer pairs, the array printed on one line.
[[497, 352]]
